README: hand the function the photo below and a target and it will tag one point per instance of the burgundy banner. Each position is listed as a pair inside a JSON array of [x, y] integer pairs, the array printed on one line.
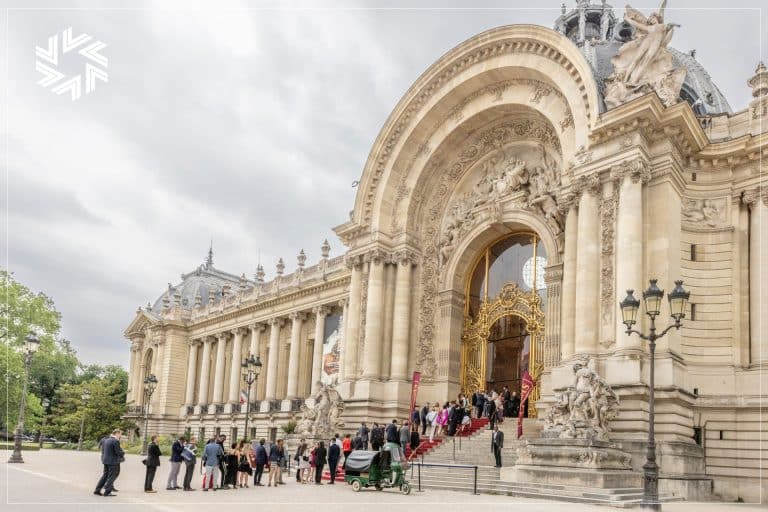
[[525, 390], [414, 391]]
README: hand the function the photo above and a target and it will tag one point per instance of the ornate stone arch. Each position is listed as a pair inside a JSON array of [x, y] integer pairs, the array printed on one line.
[[483, 68]]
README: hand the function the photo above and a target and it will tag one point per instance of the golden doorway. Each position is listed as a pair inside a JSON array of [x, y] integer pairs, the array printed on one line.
[[517, 261]]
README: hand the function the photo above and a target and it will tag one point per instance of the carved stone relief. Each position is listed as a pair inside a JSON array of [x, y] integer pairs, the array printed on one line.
[[497, 90], [705, 212], [608, 209]]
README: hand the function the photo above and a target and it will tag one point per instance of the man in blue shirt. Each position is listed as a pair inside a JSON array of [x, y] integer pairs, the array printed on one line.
[[212, 455]]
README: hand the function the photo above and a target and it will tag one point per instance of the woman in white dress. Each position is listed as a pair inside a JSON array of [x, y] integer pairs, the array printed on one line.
[[304, 463]]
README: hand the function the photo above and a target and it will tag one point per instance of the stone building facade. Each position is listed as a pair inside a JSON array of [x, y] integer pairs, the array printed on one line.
[[522, 184]]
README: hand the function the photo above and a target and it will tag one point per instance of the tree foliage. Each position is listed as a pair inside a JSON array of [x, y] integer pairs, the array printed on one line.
[[55, 373]]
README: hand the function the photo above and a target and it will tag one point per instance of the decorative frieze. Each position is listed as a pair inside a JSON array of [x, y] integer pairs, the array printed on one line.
[[707, 212]]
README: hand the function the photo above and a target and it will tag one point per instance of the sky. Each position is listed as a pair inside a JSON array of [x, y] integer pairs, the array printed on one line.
[[244, 124]]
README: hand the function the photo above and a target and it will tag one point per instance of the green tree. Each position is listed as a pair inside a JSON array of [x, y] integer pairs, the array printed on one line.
[[104, 410], [55, 363]]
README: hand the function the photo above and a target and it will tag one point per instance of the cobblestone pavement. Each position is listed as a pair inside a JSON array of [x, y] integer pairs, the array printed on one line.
[[53, 480]]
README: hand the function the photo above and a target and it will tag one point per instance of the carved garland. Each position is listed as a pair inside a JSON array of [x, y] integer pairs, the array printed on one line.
[[482, 54], [488, 140]]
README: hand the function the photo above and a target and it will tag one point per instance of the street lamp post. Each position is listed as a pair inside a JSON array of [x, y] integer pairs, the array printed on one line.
[[150, 383], [86, 396], [678, 298], [251, 369], [46, 404], [30, 347]]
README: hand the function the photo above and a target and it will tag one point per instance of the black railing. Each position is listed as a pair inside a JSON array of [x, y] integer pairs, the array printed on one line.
[[433, 465], [190, 410], [219, 409], [134, 410], [296, 404], [255, 406], [274, 405]]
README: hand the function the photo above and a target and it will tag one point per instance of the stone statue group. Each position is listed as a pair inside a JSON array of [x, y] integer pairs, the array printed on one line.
[[584, 410], [321, 414]]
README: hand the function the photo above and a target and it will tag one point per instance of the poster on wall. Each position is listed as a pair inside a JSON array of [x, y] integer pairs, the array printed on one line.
[[331, 350]]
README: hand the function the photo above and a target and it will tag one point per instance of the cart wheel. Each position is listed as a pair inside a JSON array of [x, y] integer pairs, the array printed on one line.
[[379, 487], [405, 488], [356, 485]]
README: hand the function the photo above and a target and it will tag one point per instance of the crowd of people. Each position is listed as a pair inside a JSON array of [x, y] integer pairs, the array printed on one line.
[[235, 465]]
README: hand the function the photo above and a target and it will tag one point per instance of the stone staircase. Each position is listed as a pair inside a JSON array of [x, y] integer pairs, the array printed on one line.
[[476, 450]]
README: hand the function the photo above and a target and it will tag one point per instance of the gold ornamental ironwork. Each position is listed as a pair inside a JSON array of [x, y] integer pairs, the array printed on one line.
[[474, 340]]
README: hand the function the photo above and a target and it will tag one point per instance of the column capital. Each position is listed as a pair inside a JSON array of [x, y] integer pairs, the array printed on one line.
[[222, 336], [587, 184], [751, 197], [297, 316], [354, 261], [277, 322], [242, 331], [343, 303], [377, 256], [637, 169], [258, 326], [192, 342], [323, 310], [553, 274], [406, 258]]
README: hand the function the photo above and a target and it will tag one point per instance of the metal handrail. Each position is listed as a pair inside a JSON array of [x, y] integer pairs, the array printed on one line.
[[436, 465]]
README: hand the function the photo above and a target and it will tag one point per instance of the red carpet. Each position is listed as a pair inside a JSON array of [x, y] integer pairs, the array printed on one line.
[[424, 447]]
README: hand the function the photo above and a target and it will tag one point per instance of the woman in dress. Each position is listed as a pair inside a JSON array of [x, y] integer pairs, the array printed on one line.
[[303, 463], [244, 466], [232, 461]]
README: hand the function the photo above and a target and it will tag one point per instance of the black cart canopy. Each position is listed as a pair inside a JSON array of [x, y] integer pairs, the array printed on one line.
[[361, 460]]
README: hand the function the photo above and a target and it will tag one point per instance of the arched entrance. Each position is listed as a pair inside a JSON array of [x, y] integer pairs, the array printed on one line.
[[504, 315]]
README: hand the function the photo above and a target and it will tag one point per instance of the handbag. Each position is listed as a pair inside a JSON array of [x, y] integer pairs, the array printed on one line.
[[306, 459]]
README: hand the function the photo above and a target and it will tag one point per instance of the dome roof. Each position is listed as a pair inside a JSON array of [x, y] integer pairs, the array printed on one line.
[[604, 35], [199, 287]]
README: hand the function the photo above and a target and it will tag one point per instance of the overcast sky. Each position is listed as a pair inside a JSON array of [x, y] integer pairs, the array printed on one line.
[[245, 127]]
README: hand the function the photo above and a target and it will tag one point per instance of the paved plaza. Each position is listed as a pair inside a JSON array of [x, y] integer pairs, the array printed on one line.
[[53, 480]]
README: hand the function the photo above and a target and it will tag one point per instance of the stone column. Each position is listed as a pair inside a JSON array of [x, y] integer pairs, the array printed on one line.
[[234, 372], [588, 265], [344, 305], [758, 275], [256, 331], [317, 349], [568, 315], [189, 396], [205, 372], [374, 318], [135, 374], [297, 318], [389, 310], [274, 355], [402, 318], [218, 376], [352, 324], [629, 249], [255, 350]]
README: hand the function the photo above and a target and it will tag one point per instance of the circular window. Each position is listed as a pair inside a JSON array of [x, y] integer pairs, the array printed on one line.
[[541, 262]]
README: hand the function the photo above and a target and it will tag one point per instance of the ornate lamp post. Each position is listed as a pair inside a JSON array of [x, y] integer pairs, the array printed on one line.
[[86, 396], [150, 383], [251, 369], [30, 347], [653, 296], [46, 404]]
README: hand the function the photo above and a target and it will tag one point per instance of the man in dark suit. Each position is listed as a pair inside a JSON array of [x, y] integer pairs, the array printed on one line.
[[320, 459], [261, 461], [492, 412], [334, 454], [363, 432], [152, 462], [424, 413], [497, 443], [111, 456]]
